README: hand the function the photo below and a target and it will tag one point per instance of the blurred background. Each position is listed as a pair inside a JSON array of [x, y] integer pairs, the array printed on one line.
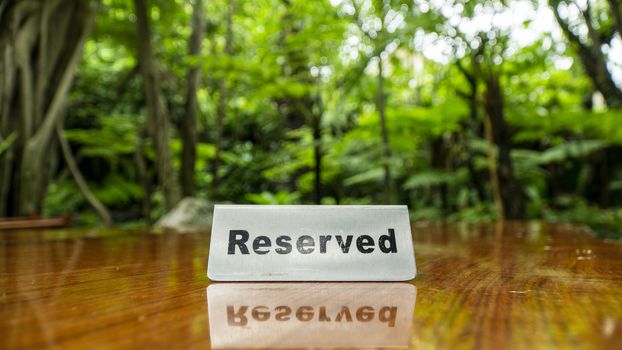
[[115, 110]]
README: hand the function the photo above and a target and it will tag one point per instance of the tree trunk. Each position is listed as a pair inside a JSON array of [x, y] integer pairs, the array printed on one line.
[[156, 110], [316, 126], [223, 98], [472, 127], [386, 149], [38, 57], [439, 160], [189, 127], [509, 198], [143, 176], [492, 166], [605, 192]]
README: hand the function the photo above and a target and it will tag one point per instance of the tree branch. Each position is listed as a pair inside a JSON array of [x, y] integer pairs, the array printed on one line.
[[25, 37], [99, 208], [617, 15], [587, 16], [53, 114], [564, 26]]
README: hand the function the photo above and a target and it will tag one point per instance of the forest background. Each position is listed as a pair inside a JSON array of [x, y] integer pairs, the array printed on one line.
[[114, 110]]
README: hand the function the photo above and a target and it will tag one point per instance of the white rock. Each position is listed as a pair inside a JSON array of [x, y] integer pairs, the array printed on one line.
[[190, 213]]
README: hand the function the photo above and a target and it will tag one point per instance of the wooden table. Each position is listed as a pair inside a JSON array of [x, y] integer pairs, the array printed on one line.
[[493, 286]]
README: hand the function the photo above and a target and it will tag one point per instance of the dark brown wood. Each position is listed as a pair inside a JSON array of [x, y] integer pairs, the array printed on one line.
[[490, 286], [34, 222]]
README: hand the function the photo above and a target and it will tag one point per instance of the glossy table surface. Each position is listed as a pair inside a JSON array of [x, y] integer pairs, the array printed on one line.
[[491, 286]]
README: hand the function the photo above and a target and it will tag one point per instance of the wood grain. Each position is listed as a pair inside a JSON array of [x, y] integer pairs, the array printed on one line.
[[490, 286]]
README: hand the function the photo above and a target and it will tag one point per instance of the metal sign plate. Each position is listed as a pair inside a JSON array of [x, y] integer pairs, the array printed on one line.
[[311, 243], [310, 315]]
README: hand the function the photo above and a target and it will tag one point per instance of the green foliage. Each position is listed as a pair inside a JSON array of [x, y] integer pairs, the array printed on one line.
[[293, 61], [282, 197], [428, 179], [62, 197], [371, 175], [571, 149], [117, 191], [608, 223], [115, 138]]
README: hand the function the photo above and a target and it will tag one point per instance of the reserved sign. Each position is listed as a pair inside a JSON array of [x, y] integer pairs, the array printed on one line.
[[311, 243], [310, 315]]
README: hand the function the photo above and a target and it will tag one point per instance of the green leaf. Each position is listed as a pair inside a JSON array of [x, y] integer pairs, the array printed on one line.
[[428, 179], [571, 149], [372, 175]]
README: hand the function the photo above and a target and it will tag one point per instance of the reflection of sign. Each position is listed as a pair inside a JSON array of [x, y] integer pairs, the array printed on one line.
[[311, 243], [260, 315]]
